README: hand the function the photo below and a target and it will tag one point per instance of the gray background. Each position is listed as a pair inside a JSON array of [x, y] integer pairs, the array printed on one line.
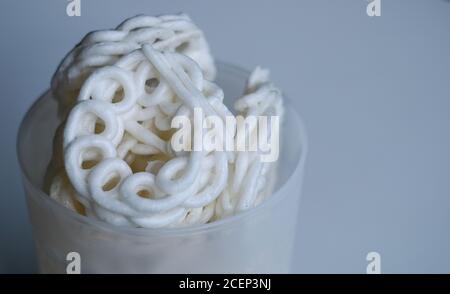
[[374, 93]]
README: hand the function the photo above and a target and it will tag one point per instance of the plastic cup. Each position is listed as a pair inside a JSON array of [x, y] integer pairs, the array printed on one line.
[[260, 240]]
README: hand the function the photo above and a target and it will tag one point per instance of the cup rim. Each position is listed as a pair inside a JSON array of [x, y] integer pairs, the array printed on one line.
[[201, 228]]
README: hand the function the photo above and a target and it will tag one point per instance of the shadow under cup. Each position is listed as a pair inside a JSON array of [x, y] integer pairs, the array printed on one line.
[[260, 240]]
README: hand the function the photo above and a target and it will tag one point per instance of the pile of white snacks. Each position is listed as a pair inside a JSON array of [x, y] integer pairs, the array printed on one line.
[[118, 91]]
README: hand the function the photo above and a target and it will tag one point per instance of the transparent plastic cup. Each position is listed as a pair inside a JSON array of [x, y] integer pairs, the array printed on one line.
[[260, 240]]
